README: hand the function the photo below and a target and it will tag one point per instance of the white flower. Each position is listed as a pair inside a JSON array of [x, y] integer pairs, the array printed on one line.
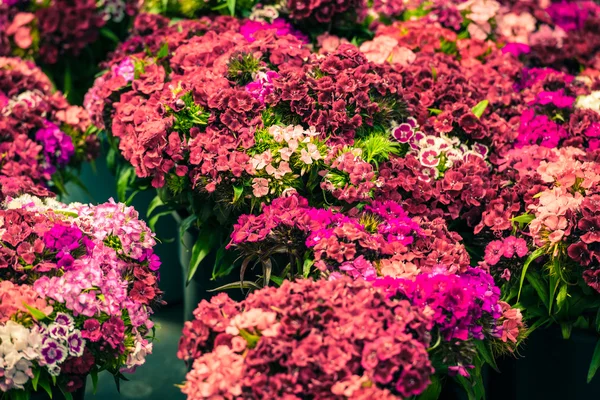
[[590, 102]]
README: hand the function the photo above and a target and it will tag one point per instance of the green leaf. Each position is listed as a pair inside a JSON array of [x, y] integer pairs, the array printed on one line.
[[466, 385], [566, 329], [45, 384], [486, 354], [523, 219], [94, 376], [236, 285], [36, 378], [37, 314], [163, 51], [201, 249], [598, 321], [68, 85], [123, 182], [224, 262], [19, 395], [595, 363], [434, 111], [251, 339], [540, 286], [433, 391], [185, 225], [107, 33], [277, 280], [562, 296], [238, 191], [554, 281], [480, 107], [156, 202], [434, 73], [533, 256], [152, 221], [536, 325], [68, 395], [308, 263], [231, 7]]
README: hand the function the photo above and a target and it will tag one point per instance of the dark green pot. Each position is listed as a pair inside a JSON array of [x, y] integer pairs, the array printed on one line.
[[550, 368]]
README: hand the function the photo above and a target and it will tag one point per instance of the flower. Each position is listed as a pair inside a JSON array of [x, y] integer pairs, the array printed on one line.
[[391, 341]]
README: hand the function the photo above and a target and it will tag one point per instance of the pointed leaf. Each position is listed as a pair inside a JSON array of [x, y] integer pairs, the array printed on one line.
[[595, 364], [535, 280], [238, 191], [36, 378], [231, 7], [201, 249], [533, 256], [156, 202], [152, 221], [37, 314], [236, 285], [68, 395], [107, 33], [68, 84], [480, 107], [185, 225], [94, 375], [308, 263], [225, 262], [123, 182], [19, 395], [45, 384], [486, 354], [466, 385], [277, 280], [566, 329], [163, 51], [554, 281], [562, 296]]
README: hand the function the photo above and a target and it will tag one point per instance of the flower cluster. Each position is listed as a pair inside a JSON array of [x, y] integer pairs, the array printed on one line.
[[381, 239], [459, 314], [278, 341], [50, 30], [78, 287], [42, 135]]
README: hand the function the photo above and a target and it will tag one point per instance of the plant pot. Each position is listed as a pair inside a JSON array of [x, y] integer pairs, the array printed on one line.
[[549, 368], [41, 394]]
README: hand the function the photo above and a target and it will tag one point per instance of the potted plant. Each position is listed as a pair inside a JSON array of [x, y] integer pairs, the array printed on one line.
[[78, 285]]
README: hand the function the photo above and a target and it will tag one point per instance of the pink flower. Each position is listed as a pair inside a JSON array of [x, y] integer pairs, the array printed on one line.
[[260, 187]]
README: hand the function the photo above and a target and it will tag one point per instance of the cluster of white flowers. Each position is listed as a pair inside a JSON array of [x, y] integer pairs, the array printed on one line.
[[19, 346], [590, 102]]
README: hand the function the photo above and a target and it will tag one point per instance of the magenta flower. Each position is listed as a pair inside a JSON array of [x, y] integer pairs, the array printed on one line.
[[58, 146]]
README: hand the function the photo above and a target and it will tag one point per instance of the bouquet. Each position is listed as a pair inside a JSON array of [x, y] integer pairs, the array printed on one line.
[[78, 285], [416, 259], [307, 339], [43, 138], [278, 340], [68, 37], [544, 250], [279, 119]]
